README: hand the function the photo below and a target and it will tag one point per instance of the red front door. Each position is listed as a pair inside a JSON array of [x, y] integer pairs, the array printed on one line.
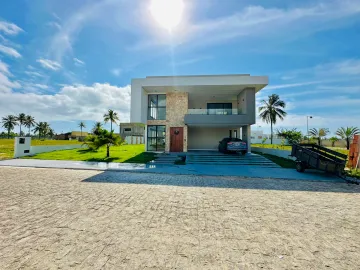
[[176, 139]]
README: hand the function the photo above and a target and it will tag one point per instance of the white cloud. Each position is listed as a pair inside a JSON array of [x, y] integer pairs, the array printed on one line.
[[290, 85], [49, 64], [55, 25], [78, 62], [34, 74], [9, 51], [192, 60], [6, 85], [9, 28], [116, 72], [72, 102]]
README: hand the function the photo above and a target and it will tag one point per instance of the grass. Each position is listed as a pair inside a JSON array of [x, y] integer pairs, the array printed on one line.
[[121, 154], [282, 162], [353, 173], [7, 146], [288, 147]]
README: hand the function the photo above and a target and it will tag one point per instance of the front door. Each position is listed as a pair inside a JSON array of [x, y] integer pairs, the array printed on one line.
[[176, 139]]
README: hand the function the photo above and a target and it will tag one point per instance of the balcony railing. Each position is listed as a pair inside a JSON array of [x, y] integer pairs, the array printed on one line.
[[214, 111]]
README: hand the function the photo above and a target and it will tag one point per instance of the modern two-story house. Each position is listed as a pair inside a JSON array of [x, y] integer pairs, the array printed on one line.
[[183, 113]]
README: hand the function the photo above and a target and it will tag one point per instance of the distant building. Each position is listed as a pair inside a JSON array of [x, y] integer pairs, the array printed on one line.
[[74, 135], [257, 136], [132, 133], [132, 129]]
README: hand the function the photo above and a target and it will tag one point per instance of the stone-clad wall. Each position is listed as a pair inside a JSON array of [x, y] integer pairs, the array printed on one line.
[[176, 108]]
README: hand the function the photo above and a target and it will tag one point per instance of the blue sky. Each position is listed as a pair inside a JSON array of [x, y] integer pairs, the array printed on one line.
[[65, 61]]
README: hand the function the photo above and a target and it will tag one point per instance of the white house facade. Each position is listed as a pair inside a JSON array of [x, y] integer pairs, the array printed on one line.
[[183, 113]]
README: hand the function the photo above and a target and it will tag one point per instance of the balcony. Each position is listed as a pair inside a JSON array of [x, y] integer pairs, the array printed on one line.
[[218, 117]]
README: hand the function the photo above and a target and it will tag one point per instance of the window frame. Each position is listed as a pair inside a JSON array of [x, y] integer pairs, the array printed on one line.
[[156, 137], [225, 107], [154, 109]]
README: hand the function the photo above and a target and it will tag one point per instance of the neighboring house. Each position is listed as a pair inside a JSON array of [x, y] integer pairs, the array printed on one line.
[[184, 113], [132, 129], [257, 136], [74, 135], [132, 133]]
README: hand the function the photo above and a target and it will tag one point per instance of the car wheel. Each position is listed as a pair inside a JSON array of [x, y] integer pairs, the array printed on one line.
[[243, 152], [300, 167]]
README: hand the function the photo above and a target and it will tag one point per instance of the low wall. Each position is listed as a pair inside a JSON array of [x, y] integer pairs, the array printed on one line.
[[134, 140], [274, 152], [49, 148]]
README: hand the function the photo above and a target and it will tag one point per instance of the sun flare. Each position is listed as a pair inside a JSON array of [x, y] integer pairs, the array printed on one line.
[[167, 13]]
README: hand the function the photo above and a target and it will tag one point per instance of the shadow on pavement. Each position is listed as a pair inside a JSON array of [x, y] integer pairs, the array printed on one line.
[[221, 182]]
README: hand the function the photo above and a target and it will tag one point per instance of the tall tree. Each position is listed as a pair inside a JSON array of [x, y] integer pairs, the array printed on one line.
[[29, 122], [333, 140], [112, 117], [97, 128], [81, 125], [21, 118], [319, 133], [272, 109], [347, 134], [104, 138], [42, 128], [50, 133], [9, 122]]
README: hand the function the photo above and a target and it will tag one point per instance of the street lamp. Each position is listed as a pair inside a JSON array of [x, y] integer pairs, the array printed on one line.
[[307, 125]]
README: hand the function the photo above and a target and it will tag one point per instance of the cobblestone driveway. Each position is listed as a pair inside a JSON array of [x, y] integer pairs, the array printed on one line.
[[52, 219]]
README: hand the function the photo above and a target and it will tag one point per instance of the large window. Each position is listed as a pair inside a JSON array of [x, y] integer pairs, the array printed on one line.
[[156, 138], [157, 107], [219, 108]]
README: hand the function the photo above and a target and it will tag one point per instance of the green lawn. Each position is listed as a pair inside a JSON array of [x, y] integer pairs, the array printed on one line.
[[288, 147], [122, 154], [282, 162], [7, 146], [354, 173]]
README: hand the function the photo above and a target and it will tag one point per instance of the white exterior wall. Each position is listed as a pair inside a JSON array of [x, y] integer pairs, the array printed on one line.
[[138, 111], [206, 138]]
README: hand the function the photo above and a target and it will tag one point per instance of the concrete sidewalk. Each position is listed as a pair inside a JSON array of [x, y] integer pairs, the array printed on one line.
[[189, 169]]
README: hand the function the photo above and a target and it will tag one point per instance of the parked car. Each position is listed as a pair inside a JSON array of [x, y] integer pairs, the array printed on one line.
[[228, 145]]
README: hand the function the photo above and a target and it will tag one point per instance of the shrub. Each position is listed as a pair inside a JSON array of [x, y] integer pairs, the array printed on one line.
[[291, 135]]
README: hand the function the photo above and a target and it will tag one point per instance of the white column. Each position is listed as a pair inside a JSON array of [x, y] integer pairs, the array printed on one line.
[[246, 136]]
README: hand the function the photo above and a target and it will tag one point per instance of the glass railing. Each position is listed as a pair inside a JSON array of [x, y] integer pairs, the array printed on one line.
[[214, 111]]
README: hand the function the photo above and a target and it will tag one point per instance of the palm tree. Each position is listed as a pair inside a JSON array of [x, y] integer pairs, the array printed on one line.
[[333, 140], [347, 134], [50, 133], [21, 118], [45, 129], [81, 125], [97, 128], [112, 117], [9, 122], [272, 109], [42, 128], [105, 138], [319, 133], [29, 122], [38, 128]]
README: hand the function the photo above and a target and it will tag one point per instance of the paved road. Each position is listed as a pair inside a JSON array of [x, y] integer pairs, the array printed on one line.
[[189, 169], [58, 219]]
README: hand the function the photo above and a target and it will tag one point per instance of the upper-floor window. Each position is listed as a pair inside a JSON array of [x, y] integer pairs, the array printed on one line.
[[219, 108], [127, 129], [157, 107]]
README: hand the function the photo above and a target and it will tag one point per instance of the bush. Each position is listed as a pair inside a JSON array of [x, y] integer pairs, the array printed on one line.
[[292, 136]]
